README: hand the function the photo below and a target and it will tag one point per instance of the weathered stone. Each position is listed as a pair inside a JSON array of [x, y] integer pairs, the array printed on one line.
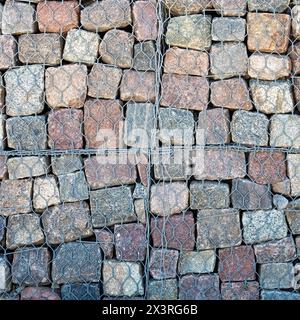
[[31, 267], [67, 222], [130, 241], [237, 264], [270, 5], [45, 48], [266, 167], [18, 18], [192, 32], [230, 7], [283, 187], [176, 126], [174, 232], [2, 88], [293, 163], [122, 278], [15, 196], [276, 251], [80, 292], [8, 51], [169, 198], [293, 219], [218, 228], [65, 129], [81, 46], [279, 295], [77, 262], [144, 18], [116, 48], [140, 210], [185, 7], [272, 97], [276, 276], [105, 238], [228, 29], [183, 91], [39, 293], [295, 13], [111, 206], [280, 202], [248, 195], [228, 60], [3, 167], [209, 195], [103, 81], [143, 166], [219, 164], [165, 289], [66, 164], [144, 56], [249, 128], [265, 66], [57, 16], [294, 54], [73, 187], [231, 94], [5, 274], [196, 262], [2, 230], [66, 86], [26, 167], [297, 241], [139, 125], [285, 130], [23, 230], [163, 263], [103, 124], [214, 126], [259, 226], [240, 290], [199, 287], [138, 86], [106, 15], [140, 191]]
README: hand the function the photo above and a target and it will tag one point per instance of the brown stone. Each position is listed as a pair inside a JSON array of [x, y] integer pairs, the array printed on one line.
[[105, 238], [57, 16], [183, 91], [39, 293], [174, 232], [230, 7], [144, 20], [64, 129], [3, 167], [294, 54], [143, 166], [181, 7], [267, 167], [138, 86], [295, 13], [248, 290], [103, 123], [163, 263], [8, 51], [268, 32]]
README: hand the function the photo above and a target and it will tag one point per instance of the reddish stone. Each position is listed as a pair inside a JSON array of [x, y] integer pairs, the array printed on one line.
[[142, 166], [105, 238], [237, 264], [296, 86], [130, 241], [39, 293], [163, 263], [3, 167], [103, 115], [240, 290], [57, 16], [294, 54], [138, 86], [267, 167], [8, 51], [174, 232], [144, 20], [182, 91], [199, 287], [64, 129]]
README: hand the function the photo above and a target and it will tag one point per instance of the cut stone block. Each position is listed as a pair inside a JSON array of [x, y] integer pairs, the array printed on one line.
[[183, 7], [144, 56], [230, 7], [162, 290], [163, 263], [39, 293], [228, 29], [279, 295], [2, 230], [248, 290], [270, 6], [5, 274], [295, 13], [80, 292], [66, 164], [140, 210], [105, 238], [276, 276], [293, 162], [8, 51], [294, 54], [3, 167]]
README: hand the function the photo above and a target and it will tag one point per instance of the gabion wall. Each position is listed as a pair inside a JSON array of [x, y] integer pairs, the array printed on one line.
[[150, 149]]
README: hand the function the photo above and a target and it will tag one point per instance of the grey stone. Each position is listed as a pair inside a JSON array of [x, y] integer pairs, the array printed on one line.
[[165, 289], [163, 263], [260, 226], [77, 262], [218, 228], [105, 238], [249, 128], [8, 51], [269, 5], [2, 230], [196, 262], [27, 167], [209, 195], [280, 202], [66, 164], [293, 161], [67, 222], [295, 13], [192, 32], [3, 139], [80, 292], [112, 205], [176, 126], [140, 191], [44, 48], [276, 276], [228, 29], [140, 210], [26, 133], [230, 7], [24, 230], [293, 219], [184, 7], [5, 274], [248, 195], [122, 278], [144, 58], [279, 295], [73, 187], [24, 90]]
